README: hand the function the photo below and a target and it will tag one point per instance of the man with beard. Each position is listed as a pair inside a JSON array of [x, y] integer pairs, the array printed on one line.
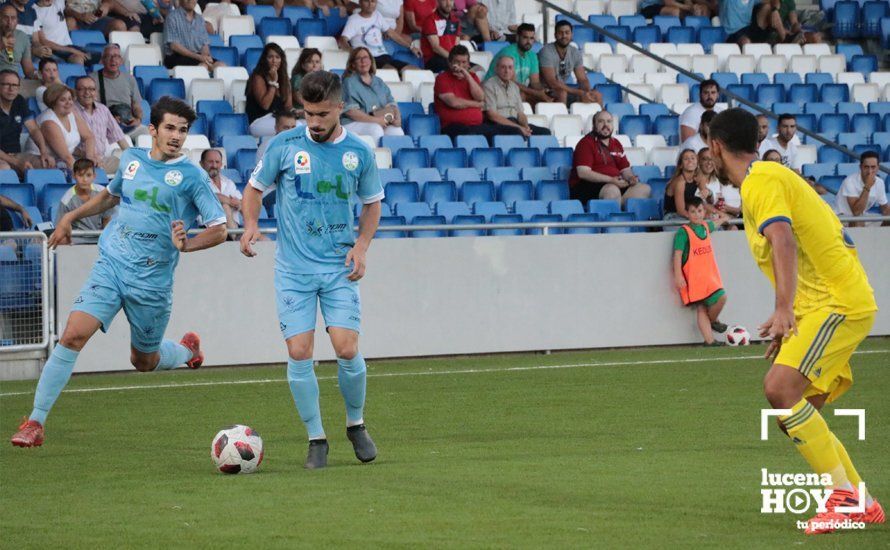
[[228, 195], [600, 170], [441, 31], [559, 61], [824, 308], [708, 93], [525, 63], [784, 142], [320, 171], [762, 129]]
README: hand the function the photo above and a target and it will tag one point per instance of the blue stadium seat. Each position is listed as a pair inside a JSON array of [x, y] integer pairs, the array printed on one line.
[[832, 183], [500, 174], [489, 208], [621, 110], [681, 35], [708, 36], [644, 209], [422, 175], [634, 125], [585, 218], [508, 142], [433, 142], [529, 208], [259, 12], [409, 210], [451, 157], [536, 174], [872, 13], [450, 209], [654, 110], [465, 219], [82, 38], [633, 21], [199, 127], [524, 157], [552, 190], [226, 54], [435, 192], [819, 79], [846, 19], [419, 125], [696, 21], [787, 80], [745, 91], [834, 123], [803, 93], [723, 79], [863, 147], [818, 170], [310, 27], [43, 176], [566, 208], [647, 35], [865, 124], [618, 30], [603, 207], [410, 157], [770, 93], [850, 108], [245, 160], [665, 22], [756, 79], [504, 219], [543, 142], [620, 217], [786, 107], [482, 158], [830, 155], [460, 175], [212, 107], [333, 23], [865, 64], [887, 122], [391, 221], [669, 127], [885, 32], [647, 172], [22, 193], [657, 186], [396, 143], [50, 197], [819, 108], [390, 174], [160, 87], [881, 139], [9, 175], [611, 93], [558, 157], [844, 169], [234, 124], [274, 26], [472, 192], [545, 218], [295, 13], [244, 42], [408, 108], [580, 36], [251, 58], [235, 176], [601, 20], [848, 50], [471, 142], [515, 190], [834, 93], [146, 73], [428, 233]]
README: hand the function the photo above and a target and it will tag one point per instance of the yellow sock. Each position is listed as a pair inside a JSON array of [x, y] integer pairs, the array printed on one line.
[[852, 474], [809, 432]]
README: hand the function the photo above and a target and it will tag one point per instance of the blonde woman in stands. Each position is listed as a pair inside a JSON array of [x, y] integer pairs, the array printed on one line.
[[309, 62], [66, 133], [369, 107], [268, 91], [682, 186]]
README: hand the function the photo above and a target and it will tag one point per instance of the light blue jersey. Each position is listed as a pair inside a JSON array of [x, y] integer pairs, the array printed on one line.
[[153, 194], [736, 14], [317, 184]]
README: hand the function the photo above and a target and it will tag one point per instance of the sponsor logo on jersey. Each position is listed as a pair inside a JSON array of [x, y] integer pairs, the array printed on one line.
[[151, 199], [173, 178], [302, 164], [131, 170], [350, 160]]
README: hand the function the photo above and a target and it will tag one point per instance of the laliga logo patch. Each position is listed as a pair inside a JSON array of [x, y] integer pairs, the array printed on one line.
[[302, 164], [131, 170], [350, 160], [173, 178]]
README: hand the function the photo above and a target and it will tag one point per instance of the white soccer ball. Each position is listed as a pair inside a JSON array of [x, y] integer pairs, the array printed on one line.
[[737, 335], [237, 450]]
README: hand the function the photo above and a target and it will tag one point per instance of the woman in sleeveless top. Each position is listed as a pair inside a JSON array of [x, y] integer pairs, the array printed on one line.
[[67, 135], [268, 91], [710, 190], [682, 186]]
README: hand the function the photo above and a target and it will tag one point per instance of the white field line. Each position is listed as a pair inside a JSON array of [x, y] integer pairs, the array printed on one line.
[[424, 373]]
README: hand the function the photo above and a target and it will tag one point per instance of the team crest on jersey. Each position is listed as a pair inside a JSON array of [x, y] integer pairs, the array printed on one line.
[[173, 178], [131, 170], [302, 164], [350, 160]]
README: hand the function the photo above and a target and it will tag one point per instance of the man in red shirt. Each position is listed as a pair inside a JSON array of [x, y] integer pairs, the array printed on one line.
[[600, 170], [459, 99], [441, 31]]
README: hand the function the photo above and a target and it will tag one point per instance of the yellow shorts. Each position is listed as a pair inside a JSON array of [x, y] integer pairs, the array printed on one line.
[[822, 347]]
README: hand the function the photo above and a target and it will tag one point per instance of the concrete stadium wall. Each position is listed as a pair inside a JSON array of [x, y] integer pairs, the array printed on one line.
[[446, 296]]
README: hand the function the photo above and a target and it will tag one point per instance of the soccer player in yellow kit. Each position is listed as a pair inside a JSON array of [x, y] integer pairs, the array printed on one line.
[[824, 305]]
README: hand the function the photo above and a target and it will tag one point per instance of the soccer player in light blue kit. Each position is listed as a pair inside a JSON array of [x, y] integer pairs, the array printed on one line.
[[160, 193], [320, 171]]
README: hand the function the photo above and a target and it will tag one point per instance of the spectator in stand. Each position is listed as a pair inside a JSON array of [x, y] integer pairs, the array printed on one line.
[[16, 48], [51, 28], [84, 189], [787, 10], [369, 108], [139, 16], [735, 15], [862, 191], [309, 61], [367, 28], [66, 133], [26, 17], [224, 187], [474, 21], [676, 8], [699, 140], [762, 129], [7, 205], [441, 32], [119, 92], [525, 62], [559, 60], [710, 190], [92, 15], [416, 13], [14, 117], [284, 120], [268, 91], [600, 169], [772, 156], [394, 11], [341, 7], [763, 23], [682, 187], [502, 18], [459, 99], [185, 38], [785, 142], [708, 94], [49, 75], [101, 122], [503, 101]]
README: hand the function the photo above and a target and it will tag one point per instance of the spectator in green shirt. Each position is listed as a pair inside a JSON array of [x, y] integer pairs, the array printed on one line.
[[526, 63]]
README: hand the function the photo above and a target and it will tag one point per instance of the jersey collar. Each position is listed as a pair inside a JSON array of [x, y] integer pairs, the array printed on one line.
[[337, 140]]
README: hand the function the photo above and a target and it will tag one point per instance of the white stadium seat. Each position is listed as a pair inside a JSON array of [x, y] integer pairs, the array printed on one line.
[[231, 74], [322, 43], [640, 63], [237, 94], [690, 49], [285, 41], [849, 78], [424, 94], [636, 156], [664, 156], [660, 79], [196, 141], [645, 90], [416, 78], [383, 157], [612, 63], [589, 7], [771, 64], [125, 39], [866, 93], [572, 141], [723, 51], [803, 64], [214, 11], [190, 72], [402, 91], [334, 59], [527, 108], [807, 154], [626, 50], [230, 25], [538, 120], [681, 60], [622, 7], [566, 125], [650, 141], [832, 64], [705, 64], [788, 50], [483, 59], [143, 54], [739, 64], [626, 79], [817, 49], [622, 139], [389, 75], [206, 88], [292, 55], [671, 94], [662, 49], [551, 109], [757, 49], [597, 49]]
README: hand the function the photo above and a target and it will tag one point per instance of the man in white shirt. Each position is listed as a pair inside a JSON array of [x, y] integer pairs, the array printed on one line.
[[708, 94], [368, 28], [862, 191], [700, 140], [52, 31], [226, 192], [785, 142], [762, 129]]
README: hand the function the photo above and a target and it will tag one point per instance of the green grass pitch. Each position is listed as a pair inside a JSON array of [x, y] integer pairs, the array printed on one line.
[[616, 448]]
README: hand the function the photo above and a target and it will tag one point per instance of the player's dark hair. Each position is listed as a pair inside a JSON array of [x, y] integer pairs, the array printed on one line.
[[525, 27], [694, 201], [173, 106], [206, 151], [869, 155], [321, 86], [708, 84], [46, 61], [786, 116], [460, 49], [562, 23], [736, 129], [82, 165]]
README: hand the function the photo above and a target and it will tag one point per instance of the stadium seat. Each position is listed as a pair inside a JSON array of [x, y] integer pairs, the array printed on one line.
[[482, 158], [803, 93], [396, 143], [488, 208], [865, 124], [460, 175], [621, 217], [872, 13], [431, 143], [165, 86], [411, 157], [50, 196], [295, 13], [22, 193], [419, 125], [818, 170], [467, 219], [536, 174], [708, 37], [227, 124], [427, 233], [8, 175], [545, 218], [669, 127], [273, 26], [500, 174], [449, 157], [435, 192], [846, 19], [524, 157], [41, 177], [834, 123], [391, 221], [242, 43], [770, 93], [422, 175], [450, 209], [830, 155], [654, 110], [551, 190], [603, 207], [511, 191], [634, 125], [310, 27], [565, 208], [644, 209], [410, 210]]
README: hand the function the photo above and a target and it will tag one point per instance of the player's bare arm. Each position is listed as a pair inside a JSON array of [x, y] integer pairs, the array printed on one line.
[[208, 238], [251, 202], [367, 226], [98, 204], [784, 258]]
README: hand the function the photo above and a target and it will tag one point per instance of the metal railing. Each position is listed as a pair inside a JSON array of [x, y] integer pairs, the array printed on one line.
[[25, 292]]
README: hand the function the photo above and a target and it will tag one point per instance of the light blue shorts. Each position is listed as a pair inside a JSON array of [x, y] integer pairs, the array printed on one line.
[[147, 311], [297, 296]]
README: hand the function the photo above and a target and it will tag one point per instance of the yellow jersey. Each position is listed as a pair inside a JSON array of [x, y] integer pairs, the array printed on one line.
[[829, 274]]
